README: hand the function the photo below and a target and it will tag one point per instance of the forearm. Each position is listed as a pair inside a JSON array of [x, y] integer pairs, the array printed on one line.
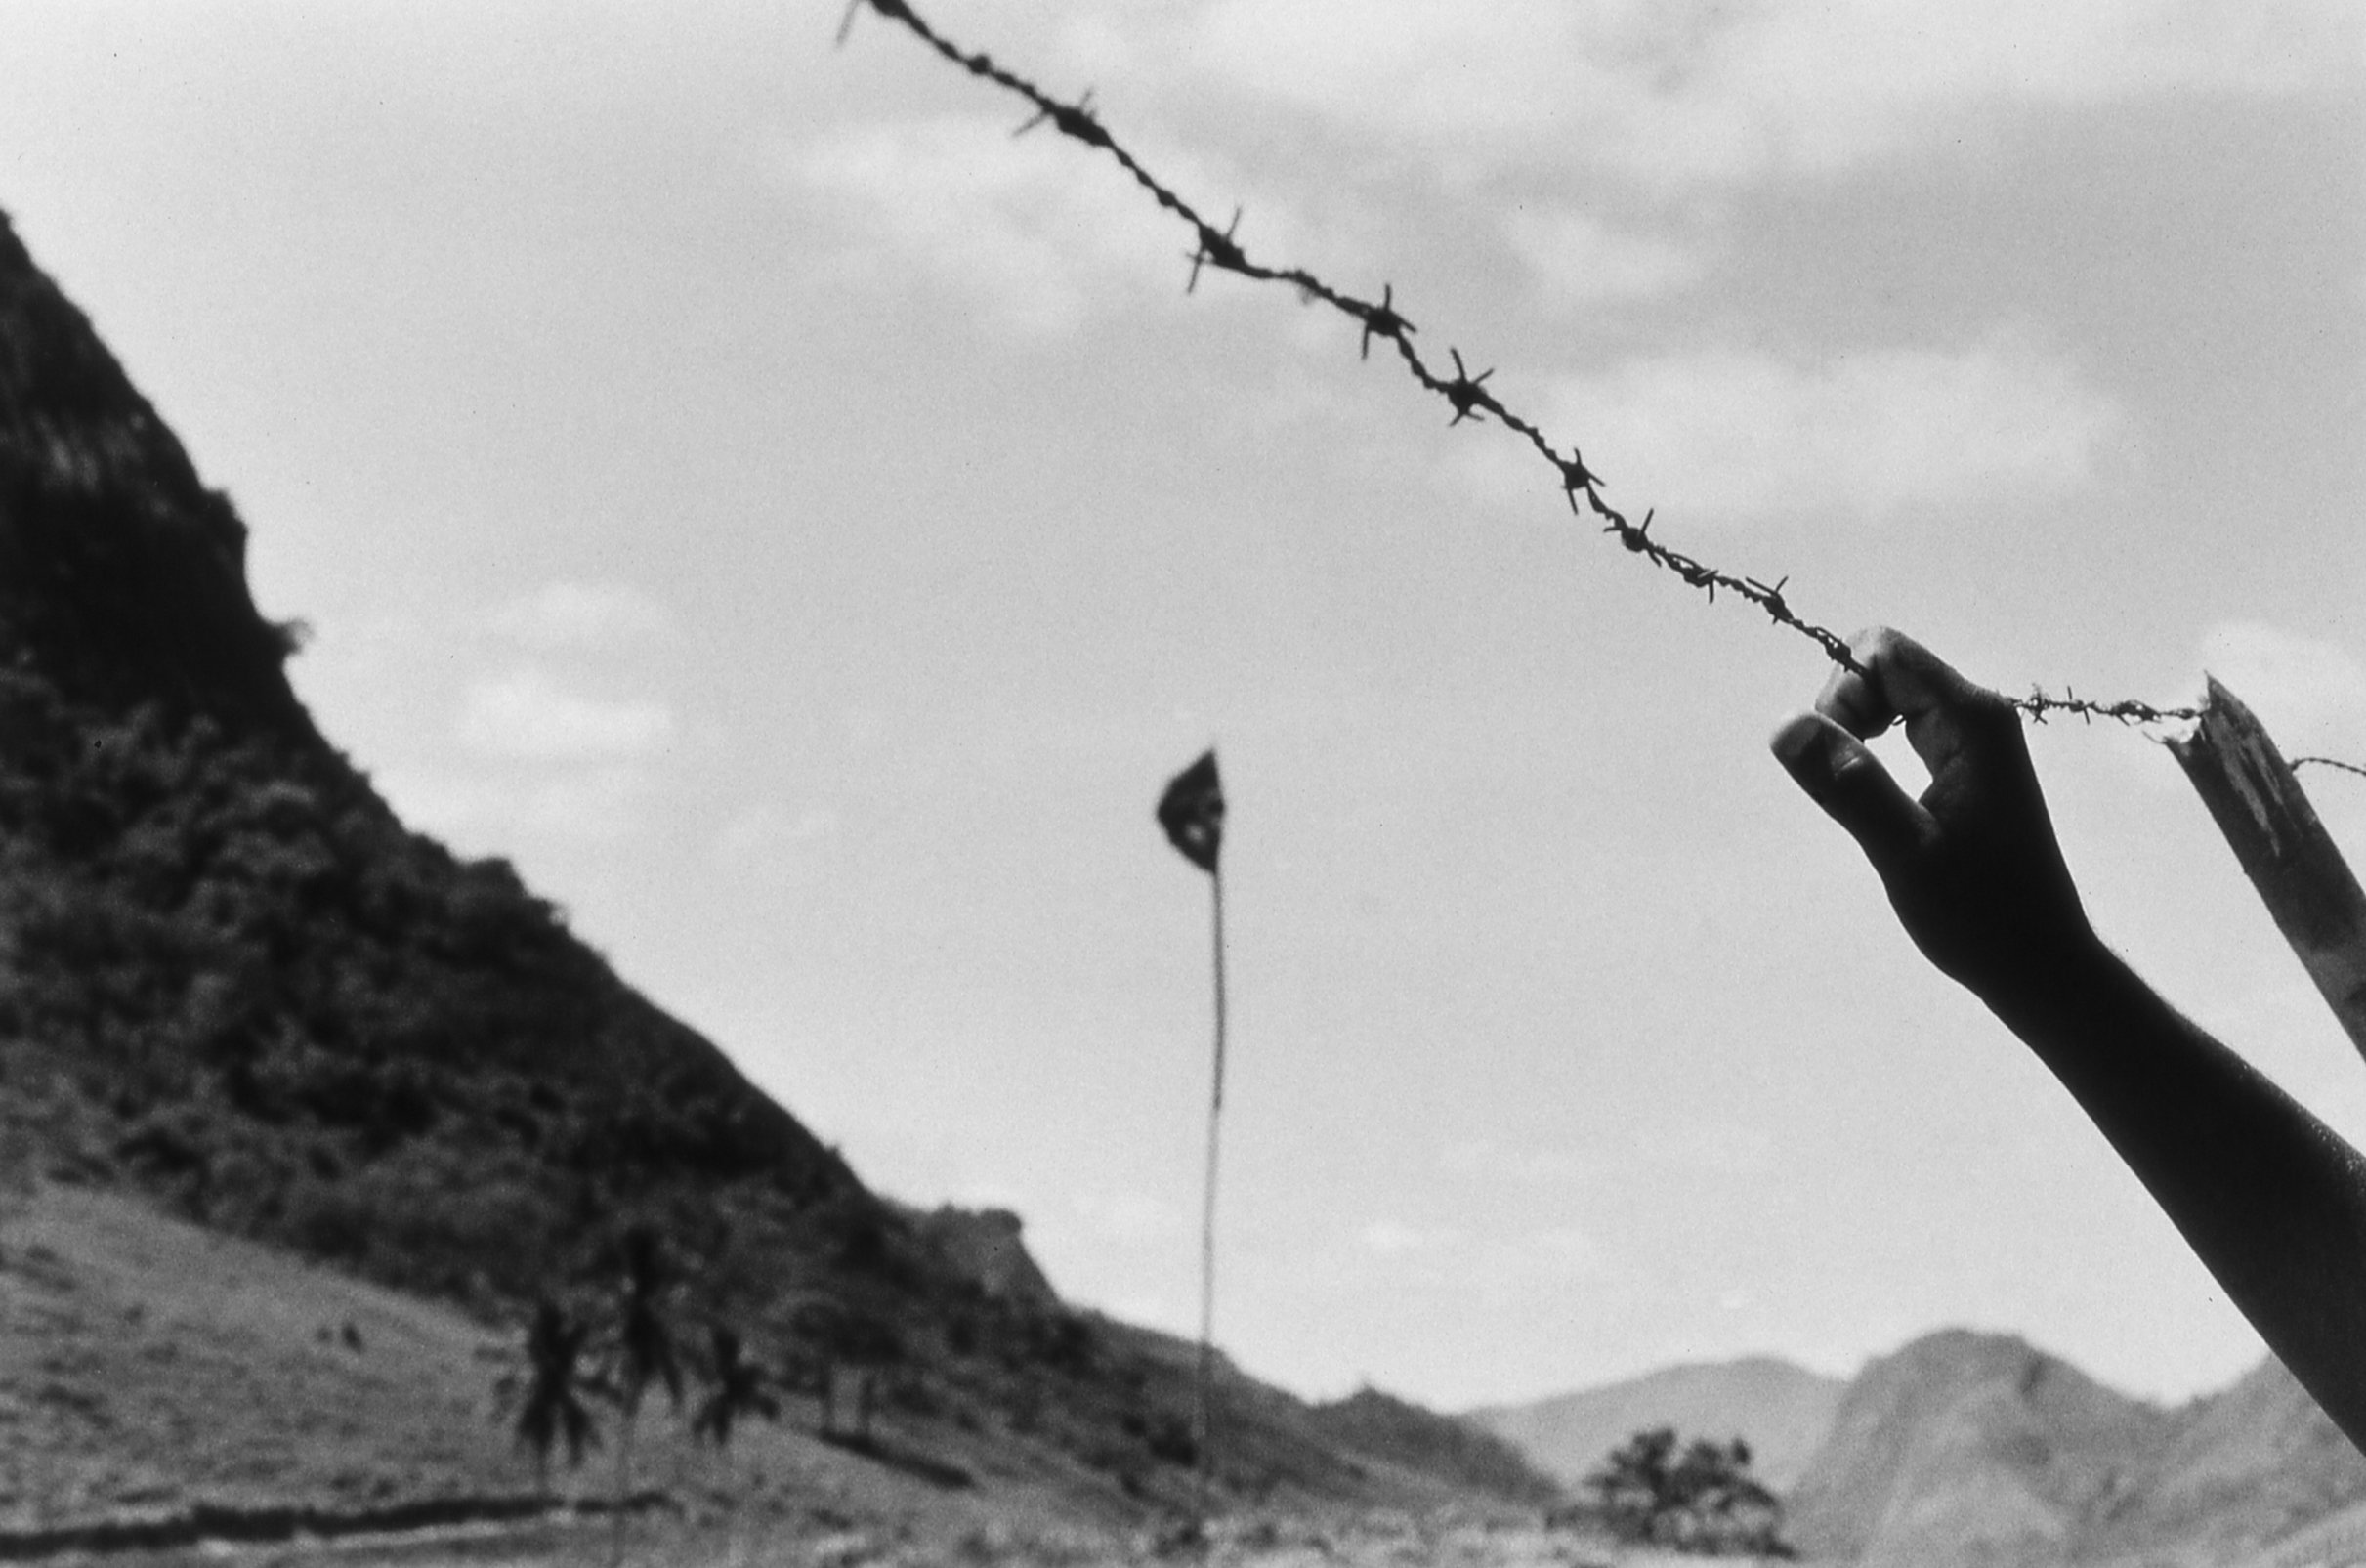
[[2271, 1199]]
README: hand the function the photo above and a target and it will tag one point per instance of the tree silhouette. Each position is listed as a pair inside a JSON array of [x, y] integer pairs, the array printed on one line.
[[1701, 1498], [643, 1352], [551, 1409], [845, 1336], [737, 1390]]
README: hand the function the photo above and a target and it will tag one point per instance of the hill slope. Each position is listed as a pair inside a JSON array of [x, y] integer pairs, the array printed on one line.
[[2245, 1466], [233, 981], [1965, 1448]]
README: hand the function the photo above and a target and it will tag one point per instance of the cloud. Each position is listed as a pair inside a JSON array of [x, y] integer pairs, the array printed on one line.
[[1385, 1238], [1724, 433], [1578, 260], [526, 715], [1037, 231], [580, 615], [1554, 1254], [771, 844], [1716, 1149], [480, 813], [766, 831], [2309, 691], [600, 805], [1712, 91], [1126, 1218], [1484, 1160]]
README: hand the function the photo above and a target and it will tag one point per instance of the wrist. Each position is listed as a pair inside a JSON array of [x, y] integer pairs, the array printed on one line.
[[2061, 981]]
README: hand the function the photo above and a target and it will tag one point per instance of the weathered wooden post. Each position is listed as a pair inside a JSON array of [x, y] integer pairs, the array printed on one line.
[[2283, 848]]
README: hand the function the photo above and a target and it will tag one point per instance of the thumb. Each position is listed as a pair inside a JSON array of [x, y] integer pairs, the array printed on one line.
[[1839, 774]]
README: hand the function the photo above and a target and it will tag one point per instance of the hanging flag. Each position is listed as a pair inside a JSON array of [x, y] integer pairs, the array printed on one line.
[[1192, 810]]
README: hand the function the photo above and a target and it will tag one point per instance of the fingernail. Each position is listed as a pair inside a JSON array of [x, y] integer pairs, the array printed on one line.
[[1798, 744]]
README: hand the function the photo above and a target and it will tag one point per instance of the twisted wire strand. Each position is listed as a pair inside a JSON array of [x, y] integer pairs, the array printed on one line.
[[1468, 394]]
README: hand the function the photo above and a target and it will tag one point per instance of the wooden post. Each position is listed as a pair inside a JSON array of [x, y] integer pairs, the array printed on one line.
[[2283, 848]]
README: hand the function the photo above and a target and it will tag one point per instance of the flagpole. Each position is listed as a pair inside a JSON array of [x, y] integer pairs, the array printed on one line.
[[1192, 812], [1205, 1411]]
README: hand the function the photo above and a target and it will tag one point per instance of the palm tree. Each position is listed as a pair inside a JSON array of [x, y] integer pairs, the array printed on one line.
[[644, 1352], [552, 1408], [737, 1390]]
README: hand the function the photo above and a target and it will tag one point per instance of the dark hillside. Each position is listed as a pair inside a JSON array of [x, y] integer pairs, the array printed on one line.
[[122, 577], [293, 1017], [1371, 1422]]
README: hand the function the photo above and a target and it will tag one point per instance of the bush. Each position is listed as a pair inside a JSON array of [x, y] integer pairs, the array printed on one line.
[[1700, 1497]]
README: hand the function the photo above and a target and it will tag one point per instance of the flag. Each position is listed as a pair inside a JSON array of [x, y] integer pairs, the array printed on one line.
[[1192, 810]]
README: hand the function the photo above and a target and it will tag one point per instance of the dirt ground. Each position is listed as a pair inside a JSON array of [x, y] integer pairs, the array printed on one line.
[[813, 1540]]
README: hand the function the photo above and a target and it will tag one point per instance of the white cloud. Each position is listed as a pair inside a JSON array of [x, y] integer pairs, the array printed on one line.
[[1484, 1160], [772, 844], [766, 831], [1716, 1149], [480, 813], [1445, 68], [1724, 433], [1034, 227], [2309, 691], [598, 805], [1578, 260], [579, 615], [449, 806], [1554, 1254], [1385, 1238], [1126, 1218], [526, 715], [1709, 90]]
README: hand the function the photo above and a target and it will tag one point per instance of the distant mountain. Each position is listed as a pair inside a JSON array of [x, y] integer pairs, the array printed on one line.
[[1966, 1449], [1783, 1410], [2250, 1463]]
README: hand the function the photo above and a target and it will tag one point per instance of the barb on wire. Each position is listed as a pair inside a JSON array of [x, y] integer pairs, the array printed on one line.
[[2038, 704], [1466, 394], [1381, 320]]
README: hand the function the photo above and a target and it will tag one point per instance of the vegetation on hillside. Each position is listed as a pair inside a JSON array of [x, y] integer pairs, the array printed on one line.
[[1372, 1422]]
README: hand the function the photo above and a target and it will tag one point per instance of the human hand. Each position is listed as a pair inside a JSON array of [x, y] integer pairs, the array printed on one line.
[[1972, 867]]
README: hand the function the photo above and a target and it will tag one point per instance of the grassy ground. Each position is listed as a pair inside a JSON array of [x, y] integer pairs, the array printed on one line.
[[149, 1367]]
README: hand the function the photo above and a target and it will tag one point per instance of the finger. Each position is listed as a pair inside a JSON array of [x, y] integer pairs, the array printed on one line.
[[1838, 773], [1901, 679], [1896, 678]]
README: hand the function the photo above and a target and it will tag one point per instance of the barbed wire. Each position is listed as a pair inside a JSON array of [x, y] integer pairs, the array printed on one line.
[[1468, 394], [2328, 762]]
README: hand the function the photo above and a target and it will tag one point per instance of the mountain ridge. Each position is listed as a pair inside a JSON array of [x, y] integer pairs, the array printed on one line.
[[1780, 1408], [1964, 1448]]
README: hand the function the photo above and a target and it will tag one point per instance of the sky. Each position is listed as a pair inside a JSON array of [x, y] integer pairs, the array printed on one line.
[[803, 525]]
